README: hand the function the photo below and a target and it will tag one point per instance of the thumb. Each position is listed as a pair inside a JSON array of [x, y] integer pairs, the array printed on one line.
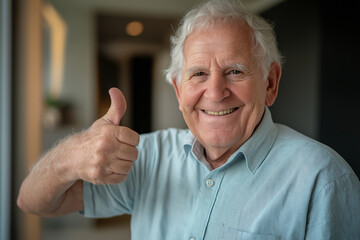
[[117, 107]]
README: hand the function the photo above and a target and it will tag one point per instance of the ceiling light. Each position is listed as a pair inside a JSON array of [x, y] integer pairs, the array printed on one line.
[[134, 28]]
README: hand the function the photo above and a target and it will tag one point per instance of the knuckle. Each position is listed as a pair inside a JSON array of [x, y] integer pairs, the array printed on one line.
[[96, 174], [98, 147], [122, 133], [107, 130], [99, 158], [135, 138], [128, 135]]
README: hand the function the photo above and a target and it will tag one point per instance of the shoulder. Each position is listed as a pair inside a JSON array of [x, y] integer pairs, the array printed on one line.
[[320, 171], [311, 156], [162, 143], [159, 153], [168, 136]]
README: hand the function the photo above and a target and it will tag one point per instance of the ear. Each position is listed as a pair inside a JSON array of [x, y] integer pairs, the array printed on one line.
[[177, 89], [273, 80]]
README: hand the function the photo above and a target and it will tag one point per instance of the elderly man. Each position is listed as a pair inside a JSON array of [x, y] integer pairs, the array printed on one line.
[[233, 175]]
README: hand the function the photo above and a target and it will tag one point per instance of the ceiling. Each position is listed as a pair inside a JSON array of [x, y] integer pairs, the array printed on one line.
[[111, 27], [160, 17], [164, 8]]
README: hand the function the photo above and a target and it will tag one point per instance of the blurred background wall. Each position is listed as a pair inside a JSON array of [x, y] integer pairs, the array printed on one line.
[[65, 55]]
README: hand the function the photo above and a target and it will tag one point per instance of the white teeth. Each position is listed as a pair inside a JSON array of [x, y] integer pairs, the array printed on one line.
[[220, 113]]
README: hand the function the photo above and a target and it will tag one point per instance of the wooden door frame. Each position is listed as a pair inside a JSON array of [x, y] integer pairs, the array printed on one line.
[[28, 103]]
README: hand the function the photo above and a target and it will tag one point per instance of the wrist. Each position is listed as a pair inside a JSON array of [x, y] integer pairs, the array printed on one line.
[[62, 159]]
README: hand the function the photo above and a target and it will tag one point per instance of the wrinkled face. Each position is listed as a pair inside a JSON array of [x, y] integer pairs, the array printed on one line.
[[222, 93]]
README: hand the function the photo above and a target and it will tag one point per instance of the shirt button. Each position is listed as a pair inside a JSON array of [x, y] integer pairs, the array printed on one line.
[[209, 183]]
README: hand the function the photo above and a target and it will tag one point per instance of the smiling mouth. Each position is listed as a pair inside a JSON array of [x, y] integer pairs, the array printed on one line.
[[221, 113]]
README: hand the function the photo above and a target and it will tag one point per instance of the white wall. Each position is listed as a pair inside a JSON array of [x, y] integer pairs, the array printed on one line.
[[165, 111], [80, 69]]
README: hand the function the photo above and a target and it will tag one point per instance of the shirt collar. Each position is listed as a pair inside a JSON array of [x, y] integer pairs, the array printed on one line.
[[254, 150], [193, 145]]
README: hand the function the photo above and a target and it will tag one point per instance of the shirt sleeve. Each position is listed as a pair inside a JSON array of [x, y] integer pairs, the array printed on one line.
[[335, 211], [101, 201]]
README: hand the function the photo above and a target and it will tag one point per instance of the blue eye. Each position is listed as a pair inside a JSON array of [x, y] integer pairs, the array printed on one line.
[[235, 75], [235, 72], [199, 74]]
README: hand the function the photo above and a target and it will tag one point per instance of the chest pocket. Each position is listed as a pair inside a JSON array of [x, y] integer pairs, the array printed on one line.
[[235, 234]]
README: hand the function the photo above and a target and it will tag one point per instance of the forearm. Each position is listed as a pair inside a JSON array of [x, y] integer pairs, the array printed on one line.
[[45, 188], [103, 154]]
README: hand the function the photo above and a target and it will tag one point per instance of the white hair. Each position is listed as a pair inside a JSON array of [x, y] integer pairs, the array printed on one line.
[[264, 45]]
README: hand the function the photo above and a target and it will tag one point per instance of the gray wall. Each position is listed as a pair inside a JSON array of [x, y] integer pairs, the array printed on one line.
[[340, 81], [297, 26], [319, 88]]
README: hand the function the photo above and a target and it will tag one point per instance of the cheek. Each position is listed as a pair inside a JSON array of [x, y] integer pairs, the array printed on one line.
[[252, 92], [190, 97], [261, 92], [244, 93]]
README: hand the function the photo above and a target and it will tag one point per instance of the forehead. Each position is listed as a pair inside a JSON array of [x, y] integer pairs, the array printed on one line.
[[232, 39]]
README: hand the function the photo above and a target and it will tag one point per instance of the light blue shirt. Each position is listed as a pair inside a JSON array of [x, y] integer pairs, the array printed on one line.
[[278, 185]]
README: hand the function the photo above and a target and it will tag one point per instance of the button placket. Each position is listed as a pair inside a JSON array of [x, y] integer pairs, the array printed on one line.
[[204, 204]]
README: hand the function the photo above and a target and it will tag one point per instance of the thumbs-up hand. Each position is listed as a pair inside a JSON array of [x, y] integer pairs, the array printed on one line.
[[104, 154]]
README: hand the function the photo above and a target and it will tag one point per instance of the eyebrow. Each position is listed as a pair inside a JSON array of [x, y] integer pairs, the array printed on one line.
[[239, 66]]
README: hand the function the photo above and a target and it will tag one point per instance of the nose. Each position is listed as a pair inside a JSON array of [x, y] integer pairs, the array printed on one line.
[[217, 88]]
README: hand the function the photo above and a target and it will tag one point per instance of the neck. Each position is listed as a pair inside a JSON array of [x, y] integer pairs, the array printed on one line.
[[217, 159]]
